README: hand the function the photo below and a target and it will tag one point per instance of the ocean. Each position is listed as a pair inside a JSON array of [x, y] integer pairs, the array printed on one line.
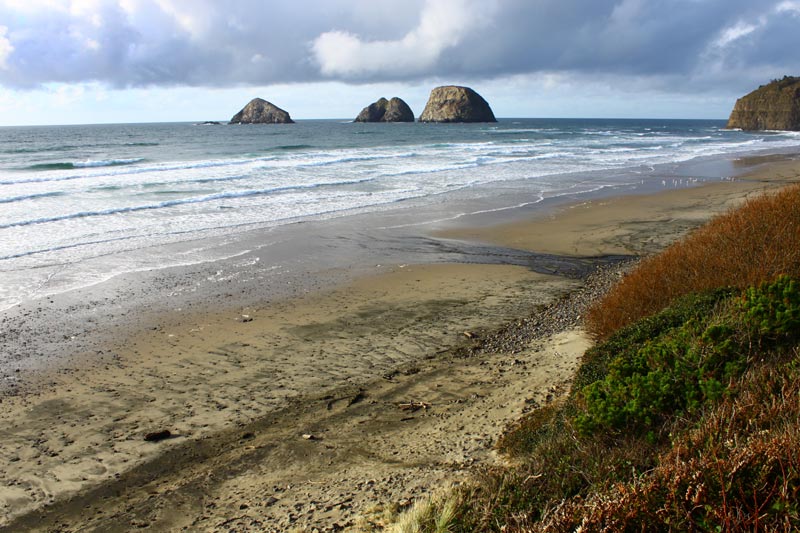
[[103, 200]]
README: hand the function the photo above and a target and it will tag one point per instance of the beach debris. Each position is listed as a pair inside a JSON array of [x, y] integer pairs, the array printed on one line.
[[470, 335], [272, 500], [357, 398], [156, 436], [245, 318], [413, 406], [309, 436], [404, 503]]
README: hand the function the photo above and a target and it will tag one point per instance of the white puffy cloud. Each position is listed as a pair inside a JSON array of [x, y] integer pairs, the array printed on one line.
[[443, 24]]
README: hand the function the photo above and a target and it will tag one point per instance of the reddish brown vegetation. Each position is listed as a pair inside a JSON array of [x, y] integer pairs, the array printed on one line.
[[742, 248], [737, 471]]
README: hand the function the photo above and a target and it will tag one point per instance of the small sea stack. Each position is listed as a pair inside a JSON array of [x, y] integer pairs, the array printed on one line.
[[451, 103], [775, 106], [394, 110], [259, 111]]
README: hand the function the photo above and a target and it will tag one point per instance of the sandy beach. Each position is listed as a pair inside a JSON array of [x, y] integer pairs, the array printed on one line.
[[331, 409]]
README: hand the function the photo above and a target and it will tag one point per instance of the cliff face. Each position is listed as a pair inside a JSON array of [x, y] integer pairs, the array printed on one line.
[[775, 106], [451, 103], [394, 110], [259, 111]]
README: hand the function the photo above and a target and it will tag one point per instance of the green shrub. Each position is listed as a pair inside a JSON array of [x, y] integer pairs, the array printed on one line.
[[773, 309], [684, 366], [675, 373], [626, 341], [737, 469]]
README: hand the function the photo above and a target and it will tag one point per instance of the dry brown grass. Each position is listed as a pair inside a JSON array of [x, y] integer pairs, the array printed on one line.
[[753, 243]]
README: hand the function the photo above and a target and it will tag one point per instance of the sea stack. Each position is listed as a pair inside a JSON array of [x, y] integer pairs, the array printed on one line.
[[394, 110], [775, 106], [452, 103], [259, 111]]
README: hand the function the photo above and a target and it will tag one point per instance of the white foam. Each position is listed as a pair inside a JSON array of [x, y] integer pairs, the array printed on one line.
[[72, 215], [106, 163]]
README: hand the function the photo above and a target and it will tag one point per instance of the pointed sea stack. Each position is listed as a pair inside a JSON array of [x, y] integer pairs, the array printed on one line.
[[451, 103], [394, 110], [260, 111], [775, 106]]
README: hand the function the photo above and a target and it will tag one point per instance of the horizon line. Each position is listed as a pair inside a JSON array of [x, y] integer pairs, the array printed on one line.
[[226, 122]]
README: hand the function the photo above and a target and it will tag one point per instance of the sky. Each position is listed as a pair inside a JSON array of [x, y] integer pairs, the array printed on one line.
[[106, 61]]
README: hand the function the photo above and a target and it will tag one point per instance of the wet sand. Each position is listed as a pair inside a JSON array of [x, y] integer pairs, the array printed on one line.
[[198, 373], [330, 409], [632, 224]]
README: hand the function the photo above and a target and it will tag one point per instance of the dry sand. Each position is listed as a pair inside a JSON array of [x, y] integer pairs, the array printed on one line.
[[330, 410], [197, 374]]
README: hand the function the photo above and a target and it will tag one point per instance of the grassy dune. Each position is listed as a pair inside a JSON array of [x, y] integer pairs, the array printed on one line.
[[684, 416]]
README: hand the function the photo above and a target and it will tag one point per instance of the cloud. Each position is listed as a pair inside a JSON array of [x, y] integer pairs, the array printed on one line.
[[737, 31], [756, 46], [5, 47], [683, 44], [443, 24], [791, 6]]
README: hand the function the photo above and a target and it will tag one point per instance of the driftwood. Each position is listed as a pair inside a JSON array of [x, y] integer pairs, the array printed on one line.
[[413, 406]]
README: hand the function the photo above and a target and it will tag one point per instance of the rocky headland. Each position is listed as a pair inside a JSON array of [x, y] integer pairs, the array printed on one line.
[[451, 103], [775, 106], [259, 111], [394, 110]]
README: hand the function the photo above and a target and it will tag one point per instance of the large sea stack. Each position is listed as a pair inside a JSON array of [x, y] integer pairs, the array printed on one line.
[[394, 110], [451, 103], [259, 111], [775, 106]]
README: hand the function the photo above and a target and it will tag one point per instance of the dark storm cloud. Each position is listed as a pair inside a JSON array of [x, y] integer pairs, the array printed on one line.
[[127, 43]]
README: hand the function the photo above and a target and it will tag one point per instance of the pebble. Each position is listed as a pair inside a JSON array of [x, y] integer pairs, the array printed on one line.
[[563, 314], [155, 436]]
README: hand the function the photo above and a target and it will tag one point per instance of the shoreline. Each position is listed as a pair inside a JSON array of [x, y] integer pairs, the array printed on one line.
[[613, 226], [85, 427], [60, 331]]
